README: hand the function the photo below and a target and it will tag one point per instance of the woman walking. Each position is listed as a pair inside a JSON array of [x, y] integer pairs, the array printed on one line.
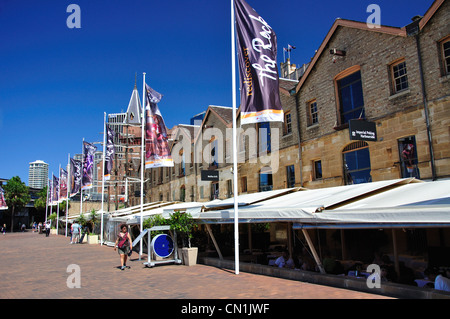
[[124, 245]]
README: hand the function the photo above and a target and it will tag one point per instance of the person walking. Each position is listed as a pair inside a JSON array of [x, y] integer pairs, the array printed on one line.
[[76, 230], [124, 245], [4, 229], [48, 225]]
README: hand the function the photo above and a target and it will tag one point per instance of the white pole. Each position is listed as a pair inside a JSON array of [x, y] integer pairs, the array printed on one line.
[[142, 163], [103, 175], [46, 203], [59, 198], [68, 190], [235, 170], [81, 185]]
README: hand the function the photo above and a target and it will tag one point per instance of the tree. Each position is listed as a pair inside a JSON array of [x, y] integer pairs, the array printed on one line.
[[16, 196], [41, 202], [183, 224]]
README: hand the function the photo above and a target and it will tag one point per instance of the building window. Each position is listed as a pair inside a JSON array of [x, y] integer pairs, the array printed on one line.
[[445, 53], [287, 123], [265, 179], [317, 166], [244, 184], [408, 157], [313, 116], [264, 138], [214, 190], [182, 194], [357, 163], [399, 76], [290, 176], [350, 93], [229, 188]]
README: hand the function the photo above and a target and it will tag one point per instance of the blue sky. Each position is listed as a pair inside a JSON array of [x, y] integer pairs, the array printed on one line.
[[56, 82]]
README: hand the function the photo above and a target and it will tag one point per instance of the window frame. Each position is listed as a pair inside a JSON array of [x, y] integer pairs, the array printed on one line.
[[444, 64], [287, 125], [340, 76], [313, 118], [394, 79]]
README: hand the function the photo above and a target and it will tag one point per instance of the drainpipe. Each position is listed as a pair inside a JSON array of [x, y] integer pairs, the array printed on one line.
[[413, 29], [299, 139]]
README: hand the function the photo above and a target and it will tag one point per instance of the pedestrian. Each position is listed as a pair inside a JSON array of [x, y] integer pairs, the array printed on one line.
[[4, 229], [23, 227], [48, 224], [124, 245], [76, 229]]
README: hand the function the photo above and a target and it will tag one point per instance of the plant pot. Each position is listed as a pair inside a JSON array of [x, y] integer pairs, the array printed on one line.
[[53, 232], [189, 256], [92, 239]]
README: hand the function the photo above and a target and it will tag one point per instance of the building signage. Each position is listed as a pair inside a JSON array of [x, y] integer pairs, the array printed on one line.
[[210, 175], [362, 130]]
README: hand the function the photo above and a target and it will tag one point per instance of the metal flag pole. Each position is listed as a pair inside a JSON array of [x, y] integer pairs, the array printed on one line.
[[81, 185], [142, 163], [103, 177], [46, 203], [68, 191], [58, 191], [235, 171]]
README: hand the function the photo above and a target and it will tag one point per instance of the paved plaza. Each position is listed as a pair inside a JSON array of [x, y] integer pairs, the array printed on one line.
[[37, 267]]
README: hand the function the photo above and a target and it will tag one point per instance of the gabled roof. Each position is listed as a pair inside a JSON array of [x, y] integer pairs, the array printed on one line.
[[133, 114], [394, 31]]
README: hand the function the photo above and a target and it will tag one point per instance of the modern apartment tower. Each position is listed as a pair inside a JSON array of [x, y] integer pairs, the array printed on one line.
[[38, 174]]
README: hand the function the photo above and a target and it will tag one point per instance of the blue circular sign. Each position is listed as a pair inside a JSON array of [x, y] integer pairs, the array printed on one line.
[[162, 245]]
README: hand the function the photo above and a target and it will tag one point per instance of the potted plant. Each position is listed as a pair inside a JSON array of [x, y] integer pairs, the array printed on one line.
[[92, 237], [183, 224], [52, 218]]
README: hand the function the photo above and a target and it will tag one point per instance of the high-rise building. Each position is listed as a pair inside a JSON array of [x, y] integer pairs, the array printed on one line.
[[38, 174]]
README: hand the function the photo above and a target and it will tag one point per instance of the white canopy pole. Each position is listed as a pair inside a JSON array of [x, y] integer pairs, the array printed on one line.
[[103, 177], [59, 198], [81, 185], [235, 170], [142, 162]]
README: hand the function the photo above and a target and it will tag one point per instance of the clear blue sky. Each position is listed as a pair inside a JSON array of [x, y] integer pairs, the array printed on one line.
[[56, 82]]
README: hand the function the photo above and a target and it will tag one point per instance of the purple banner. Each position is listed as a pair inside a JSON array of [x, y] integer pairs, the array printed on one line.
[[88, 165], [156, 139], [62, 184], [258, 71], [75, 176], [109, 152], [2, 199], [55, 190]]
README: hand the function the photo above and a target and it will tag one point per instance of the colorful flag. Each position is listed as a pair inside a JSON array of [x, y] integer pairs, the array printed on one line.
[[257, 56], [55, 190], [109, 152], [88, 165], [62, 184], [2, 199], [75, 176], [156, 139]]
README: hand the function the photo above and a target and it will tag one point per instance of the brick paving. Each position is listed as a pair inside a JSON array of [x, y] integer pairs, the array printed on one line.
[[33, 266]]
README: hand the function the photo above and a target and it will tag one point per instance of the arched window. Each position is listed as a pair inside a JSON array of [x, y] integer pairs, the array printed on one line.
[[356, 158]]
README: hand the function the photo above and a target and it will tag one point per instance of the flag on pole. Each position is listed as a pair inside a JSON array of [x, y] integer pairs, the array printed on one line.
[[156, 139], [88, 165], [55, 191], [75, 176], [109, 152], [257, 56], [2, 199], [62, 184]]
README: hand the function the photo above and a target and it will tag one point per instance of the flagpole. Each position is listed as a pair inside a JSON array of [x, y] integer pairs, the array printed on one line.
[[235, 170], [59, 198], [81, 183], [68, 191], [103, 179], [46, 203], [142, 163]]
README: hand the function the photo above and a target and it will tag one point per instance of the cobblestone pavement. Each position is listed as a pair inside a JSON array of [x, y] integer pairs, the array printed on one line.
[[33, 266]]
